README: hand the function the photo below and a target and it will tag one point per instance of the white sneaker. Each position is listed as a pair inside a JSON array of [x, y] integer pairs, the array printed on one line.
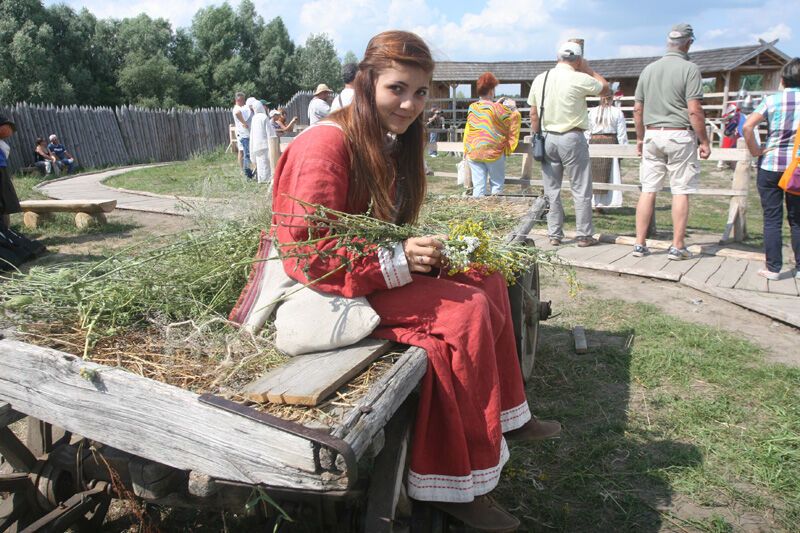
[[679, 254], [772, 276]]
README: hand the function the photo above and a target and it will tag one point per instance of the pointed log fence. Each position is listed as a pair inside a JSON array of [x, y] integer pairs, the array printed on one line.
[[104, 136]]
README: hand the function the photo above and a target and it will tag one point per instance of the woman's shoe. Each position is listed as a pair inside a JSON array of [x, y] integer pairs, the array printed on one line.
[[535, 429], [482, 513]]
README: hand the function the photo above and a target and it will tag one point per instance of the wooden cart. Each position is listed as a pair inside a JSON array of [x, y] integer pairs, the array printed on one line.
[[169, 446]]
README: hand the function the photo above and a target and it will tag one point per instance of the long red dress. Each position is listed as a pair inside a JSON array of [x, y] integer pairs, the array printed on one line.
[[472, 391]]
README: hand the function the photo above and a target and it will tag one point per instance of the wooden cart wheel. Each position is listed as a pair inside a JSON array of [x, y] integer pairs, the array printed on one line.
[[34, 484], [526, 308]]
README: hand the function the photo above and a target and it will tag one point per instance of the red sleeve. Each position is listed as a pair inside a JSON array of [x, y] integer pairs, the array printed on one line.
[[316, 169]]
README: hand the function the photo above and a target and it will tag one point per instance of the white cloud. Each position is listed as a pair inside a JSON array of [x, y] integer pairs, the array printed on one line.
[[779, 31], [337, 18], [638, 50]]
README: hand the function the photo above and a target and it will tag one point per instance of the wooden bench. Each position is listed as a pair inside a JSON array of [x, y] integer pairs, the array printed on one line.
[[87, 212]]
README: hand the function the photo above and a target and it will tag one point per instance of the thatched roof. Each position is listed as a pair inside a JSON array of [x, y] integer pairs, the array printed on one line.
[[756, 57]]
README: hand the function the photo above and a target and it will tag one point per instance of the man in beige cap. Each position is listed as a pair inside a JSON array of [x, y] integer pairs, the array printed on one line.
[[561, 94], [320, 105], [670, 124]]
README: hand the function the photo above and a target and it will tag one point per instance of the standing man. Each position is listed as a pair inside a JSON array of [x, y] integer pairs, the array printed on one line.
[[320, 105], [349, 71], [242, 114], [670, 123], [565, 147], [434, 122]]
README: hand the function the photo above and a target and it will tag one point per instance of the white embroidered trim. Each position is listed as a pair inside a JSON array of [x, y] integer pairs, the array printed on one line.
[[456, 489], [515, 418], [394, 266]]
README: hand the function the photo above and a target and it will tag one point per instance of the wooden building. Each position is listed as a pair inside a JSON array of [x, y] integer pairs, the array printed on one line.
[[725, 65]]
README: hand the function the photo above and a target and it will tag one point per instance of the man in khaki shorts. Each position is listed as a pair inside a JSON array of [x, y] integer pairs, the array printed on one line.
[[670, 124]]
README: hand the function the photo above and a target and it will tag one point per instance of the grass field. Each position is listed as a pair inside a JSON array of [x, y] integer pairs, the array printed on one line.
[[668, 425]]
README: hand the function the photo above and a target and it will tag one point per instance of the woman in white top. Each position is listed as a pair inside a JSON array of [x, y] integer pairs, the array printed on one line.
[[606, 126], [261, 131]]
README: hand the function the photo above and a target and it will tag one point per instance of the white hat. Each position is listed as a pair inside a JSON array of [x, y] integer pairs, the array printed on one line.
[[569, 49], [53, 137], [274, 112]]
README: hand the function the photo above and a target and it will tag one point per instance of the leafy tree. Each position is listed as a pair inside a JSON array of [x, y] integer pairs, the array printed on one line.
[[317, 62], [147, 80], [350, 57], [276, 72]]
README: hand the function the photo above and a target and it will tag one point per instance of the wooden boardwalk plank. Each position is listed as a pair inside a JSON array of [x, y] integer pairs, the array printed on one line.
[[750, 280], [728, 274], [570, 253], [309, 379], [786, 285], [604, 260], [681, 267], [704, 268]]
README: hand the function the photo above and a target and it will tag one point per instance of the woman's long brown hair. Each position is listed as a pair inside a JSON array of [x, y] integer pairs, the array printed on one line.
[[377, 165]]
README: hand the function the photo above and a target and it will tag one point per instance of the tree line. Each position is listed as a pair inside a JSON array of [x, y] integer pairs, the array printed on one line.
[[55, 55]]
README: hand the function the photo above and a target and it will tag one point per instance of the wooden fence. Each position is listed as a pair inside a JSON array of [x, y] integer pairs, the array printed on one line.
[[102, 136], [735, 226]]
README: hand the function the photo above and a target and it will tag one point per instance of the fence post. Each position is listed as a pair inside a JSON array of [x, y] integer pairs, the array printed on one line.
[[736, 227]]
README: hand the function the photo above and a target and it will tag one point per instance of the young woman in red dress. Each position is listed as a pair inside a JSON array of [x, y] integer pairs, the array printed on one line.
[[369, 157]]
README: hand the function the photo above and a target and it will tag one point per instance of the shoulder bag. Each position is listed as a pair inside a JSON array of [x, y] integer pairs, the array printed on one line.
[[790, 180], [537, 142]]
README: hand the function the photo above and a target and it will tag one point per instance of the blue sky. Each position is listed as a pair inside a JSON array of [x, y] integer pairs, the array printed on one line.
[[495, 30]]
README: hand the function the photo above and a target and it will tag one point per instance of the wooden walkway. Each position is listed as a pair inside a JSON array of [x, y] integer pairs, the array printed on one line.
[[730, 278]]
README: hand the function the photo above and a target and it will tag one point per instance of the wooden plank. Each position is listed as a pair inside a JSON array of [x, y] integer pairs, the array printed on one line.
[[579, 335], [65, 206], [153, 420], [787, 285], [308, 379], [610, 253], [729, 273], [574, 253], [374, 410], [750, 280], [704, 268], [387, 475], [624, 151], [681, 267]]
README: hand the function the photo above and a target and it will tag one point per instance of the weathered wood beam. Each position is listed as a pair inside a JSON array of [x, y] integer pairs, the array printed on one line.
[[153, 420]]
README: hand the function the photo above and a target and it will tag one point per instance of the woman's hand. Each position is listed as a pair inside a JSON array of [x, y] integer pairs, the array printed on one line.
[[423, 253]]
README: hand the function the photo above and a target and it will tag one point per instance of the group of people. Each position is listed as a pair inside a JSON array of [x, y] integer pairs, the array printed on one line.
[[52, 157], [368, 158], [255, 126]]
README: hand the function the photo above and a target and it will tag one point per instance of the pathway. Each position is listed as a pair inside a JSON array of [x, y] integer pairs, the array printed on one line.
[[90, 187], [731, 277]]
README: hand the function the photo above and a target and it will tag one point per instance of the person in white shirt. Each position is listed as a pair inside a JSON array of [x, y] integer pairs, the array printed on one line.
[[320, 105], [606, 126], [349, 71], [261, 131], [241, 120]]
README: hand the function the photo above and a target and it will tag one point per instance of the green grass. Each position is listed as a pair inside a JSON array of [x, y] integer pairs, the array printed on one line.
[[215, 174], [660, 412]]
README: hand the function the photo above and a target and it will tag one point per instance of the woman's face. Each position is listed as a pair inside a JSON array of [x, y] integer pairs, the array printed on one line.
[[400, 95]]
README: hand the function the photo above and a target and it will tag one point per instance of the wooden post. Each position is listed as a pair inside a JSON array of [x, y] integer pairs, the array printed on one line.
[[736, 227], [527, 168], [727, 78]]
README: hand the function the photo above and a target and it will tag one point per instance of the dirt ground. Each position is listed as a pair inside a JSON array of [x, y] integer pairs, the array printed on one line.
[[779, 341]]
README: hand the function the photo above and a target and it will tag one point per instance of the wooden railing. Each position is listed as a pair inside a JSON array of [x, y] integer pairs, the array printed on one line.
[[735, 226]]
